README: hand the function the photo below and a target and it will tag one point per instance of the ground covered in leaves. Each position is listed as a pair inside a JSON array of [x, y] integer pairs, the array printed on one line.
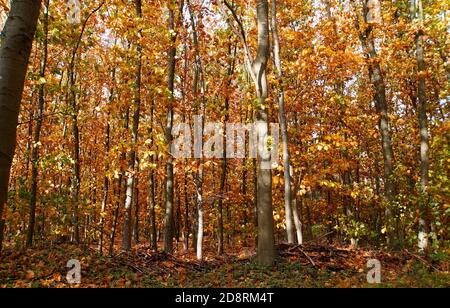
[[297, 266]]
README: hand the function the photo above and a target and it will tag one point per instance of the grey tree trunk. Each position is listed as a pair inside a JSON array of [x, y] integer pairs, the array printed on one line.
[[266, 241], [126, 242], [223, 174], [223, 177], [118, 193], [417, 10], [76, 154], [186, 213], [105, 178], [198, 77], [136, 207], [37, 132], [377, 79], [153, 239], [168, 218], [76, 184], [284, 129], [297, 216], [16, 43], [115, 219]]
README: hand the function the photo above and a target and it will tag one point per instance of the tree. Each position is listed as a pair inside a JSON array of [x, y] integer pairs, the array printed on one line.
[[37, 130], [169, 187], [376, 77], [417, 14], [130, 188], [257, 68], [284, 136], [16, 42], [266, 247]]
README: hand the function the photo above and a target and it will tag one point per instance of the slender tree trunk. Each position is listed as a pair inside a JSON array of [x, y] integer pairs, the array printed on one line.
[[120, 183], [29, 141], [186, 214], [198, 77], [132, 170], [105, 178], [37, 133], [417, 14], [223, 174], [178, 223], [255, 195], [153, 239], [284, 129], [168, 218], [115, 220], [75, 130], [136, 209], [76, 153], [297, 217], [377, 79]]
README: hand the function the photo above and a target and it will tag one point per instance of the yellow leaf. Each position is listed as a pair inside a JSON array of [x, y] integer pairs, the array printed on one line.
[[30, 275]]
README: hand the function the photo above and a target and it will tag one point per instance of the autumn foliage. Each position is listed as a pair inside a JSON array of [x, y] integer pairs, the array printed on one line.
[[107, 103]]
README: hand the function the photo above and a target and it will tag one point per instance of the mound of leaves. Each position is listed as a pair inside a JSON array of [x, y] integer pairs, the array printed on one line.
[[333, 258], [147, 261]]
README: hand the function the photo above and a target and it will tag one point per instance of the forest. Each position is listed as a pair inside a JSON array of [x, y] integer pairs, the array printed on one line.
[[224, 143]]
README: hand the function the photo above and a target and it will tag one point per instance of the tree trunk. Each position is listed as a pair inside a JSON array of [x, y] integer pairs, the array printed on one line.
[[198, 76], [15, 49], [423, 124], [377, 79], [266, 242], [37, 133], [153, 239], [297, 217], [132, 170], [115, 220], [186, 214], [120, 180], [105, 178], [284, 129], [255, 194], [76, 153], [75, 130], [136, 210], [223, 174], [168, 218]]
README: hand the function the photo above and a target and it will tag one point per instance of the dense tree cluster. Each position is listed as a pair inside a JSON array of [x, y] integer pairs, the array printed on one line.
[[360, 90]]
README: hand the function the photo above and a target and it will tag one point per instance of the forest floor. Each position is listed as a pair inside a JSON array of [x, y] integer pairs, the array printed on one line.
[[310, 265]]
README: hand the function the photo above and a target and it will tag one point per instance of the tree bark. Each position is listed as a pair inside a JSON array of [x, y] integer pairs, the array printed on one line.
[[223, 172], [186, 213], [15, 49], [118, 193], [76, 184], [297, 216], [37, 132], [105, 178], [153, 239], [377, 79], [169, 193], [132, 170], [136, 208], [266, 242], [284, 129], [417, 14]]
